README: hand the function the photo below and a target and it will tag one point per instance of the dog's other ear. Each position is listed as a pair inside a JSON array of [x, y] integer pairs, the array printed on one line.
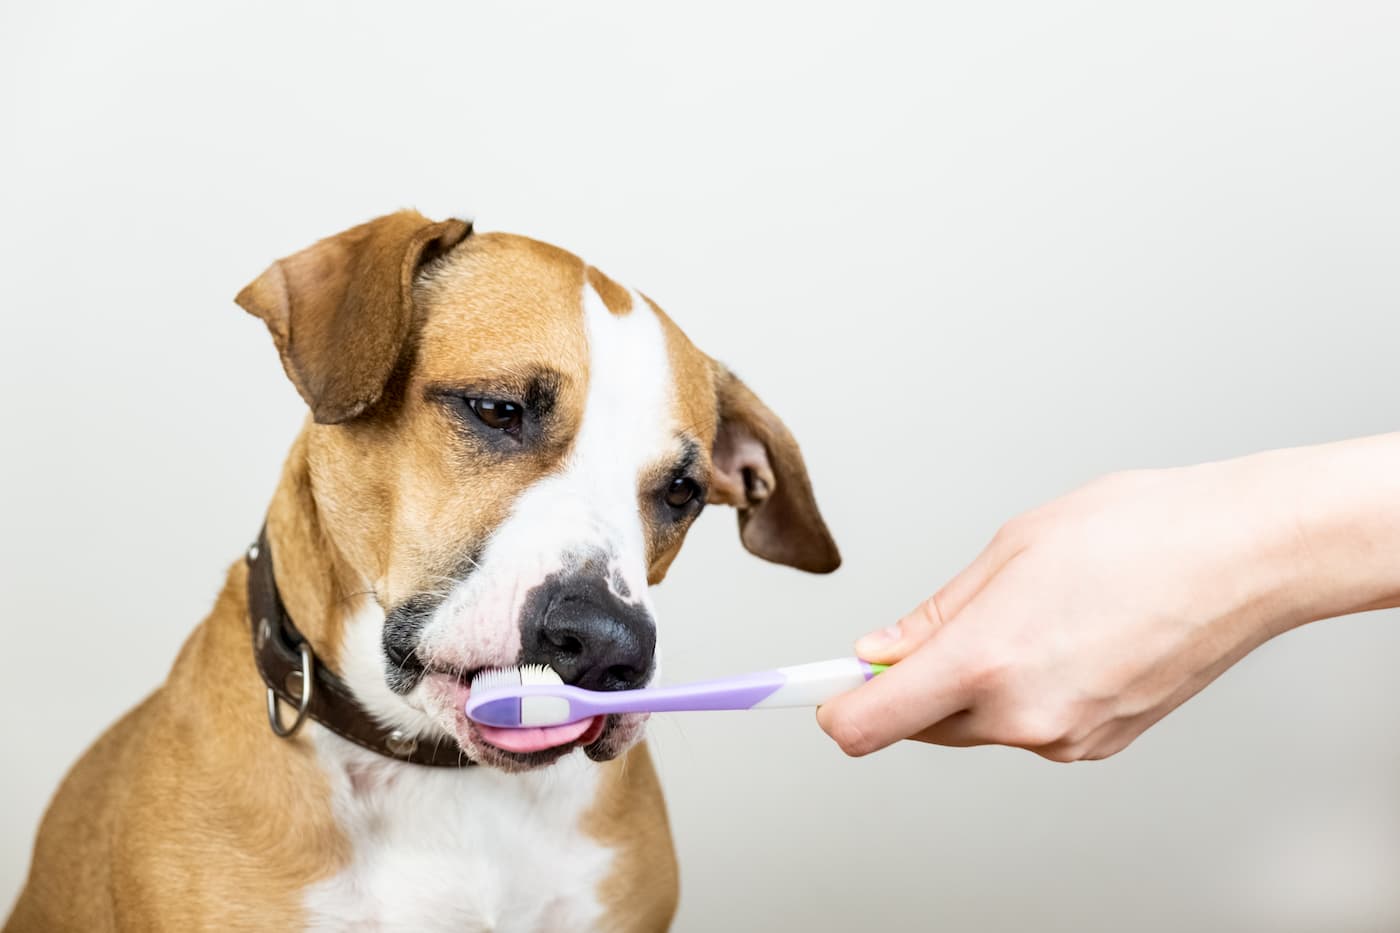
[[340, 311], [758, 469]]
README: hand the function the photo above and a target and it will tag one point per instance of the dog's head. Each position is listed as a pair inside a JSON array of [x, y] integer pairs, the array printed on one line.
[[506, 449]]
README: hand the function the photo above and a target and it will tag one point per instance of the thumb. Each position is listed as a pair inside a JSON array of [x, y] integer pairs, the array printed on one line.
[[898, 641]]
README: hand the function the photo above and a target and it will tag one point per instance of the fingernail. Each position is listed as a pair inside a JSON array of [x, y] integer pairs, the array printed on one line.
[[879, 639]]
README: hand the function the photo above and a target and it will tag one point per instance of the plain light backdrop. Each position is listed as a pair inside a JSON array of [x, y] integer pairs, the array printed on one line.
[[974, 254]]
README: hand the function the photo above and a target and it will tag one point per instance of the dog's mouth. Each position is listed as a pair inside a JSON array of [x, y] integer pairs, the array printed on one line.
[[601, 737]]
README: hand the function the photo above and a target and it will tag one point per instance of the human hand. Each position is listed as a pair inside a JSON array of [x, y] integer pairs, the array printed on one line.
[[1087, 620]]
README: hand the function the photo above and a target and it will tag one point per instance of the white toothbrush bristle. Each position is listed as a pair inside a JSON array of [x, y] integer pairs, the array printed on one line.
[[495, 678], [500, 678], [531, 674]]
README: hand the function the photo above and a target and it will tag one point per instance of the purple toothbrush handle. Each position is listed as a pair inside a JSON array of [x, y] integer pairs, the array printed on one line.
[[741, 692]]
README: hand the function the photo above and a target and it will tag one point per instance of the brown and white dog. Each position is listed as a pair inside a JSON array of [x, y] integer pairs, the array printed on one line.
[[505, 449]]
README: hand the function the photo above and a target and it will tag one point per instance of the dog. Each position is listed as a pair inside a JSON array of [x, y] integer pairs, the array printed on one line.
[[504, 450]]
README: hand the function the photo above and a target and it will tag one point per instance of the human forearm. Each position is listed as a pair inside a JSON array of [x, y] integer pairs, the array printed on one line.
[[1348, 516]]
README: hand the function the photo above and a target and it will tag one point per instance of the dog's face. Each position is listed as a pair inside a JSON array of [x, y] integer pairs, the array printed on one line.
[[508, 449]]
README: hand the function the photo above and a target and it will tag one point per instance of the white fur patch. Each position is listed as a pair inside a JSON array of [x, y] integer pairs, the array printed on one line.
[[442, 849], [587, 508]]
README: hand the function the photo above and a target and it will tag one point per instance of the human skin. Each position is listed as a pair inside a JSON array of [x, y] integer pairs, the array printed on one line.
[[1090, 618]]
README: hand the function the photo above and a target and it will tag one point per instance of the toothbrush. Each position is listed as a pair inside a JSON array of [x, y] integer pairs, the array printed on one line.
[[534, 695]]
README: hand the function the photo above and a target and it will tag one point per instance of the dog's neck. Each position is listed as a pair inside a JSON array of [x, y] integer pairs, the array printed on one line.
[[315, 582]]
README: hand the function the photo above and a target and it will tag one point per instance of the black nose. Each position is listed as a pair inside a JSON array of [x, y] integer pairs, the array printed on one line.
[[589, 636]]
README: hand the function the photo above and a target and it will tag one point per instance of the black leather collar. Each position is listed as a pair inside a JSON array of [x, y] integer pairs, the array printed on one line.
[[282, 655]]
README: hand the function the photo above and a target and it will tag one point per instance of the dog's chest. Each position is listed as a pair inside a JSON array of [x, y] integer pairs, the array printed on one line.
[[436, 849]]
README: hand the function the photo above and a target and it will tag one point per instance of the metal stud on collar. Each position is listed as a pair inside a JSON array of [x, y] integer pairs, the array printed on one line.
[[308, 687], [401, 743]]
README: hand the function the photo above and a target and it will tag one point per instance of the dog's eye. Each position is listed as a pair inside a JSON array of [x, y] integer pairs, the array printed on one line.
[[498, 414], [681, 492]]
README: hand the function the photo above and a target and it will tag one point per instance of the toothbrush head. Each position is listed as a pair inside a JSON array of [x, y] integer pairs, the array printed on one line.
[[518, 697]]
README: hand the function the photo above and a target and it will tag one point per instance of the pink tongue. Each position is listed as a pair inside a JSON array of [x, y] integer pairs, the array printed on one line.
[[534, 738]]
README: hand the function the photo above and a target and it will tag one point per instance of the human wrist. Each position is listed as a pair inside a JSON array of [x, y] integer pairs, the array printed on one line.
[[1343, 500]]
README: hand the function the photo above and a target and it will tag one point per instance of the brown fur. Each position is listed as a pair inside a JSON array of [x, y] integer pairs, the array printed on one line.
[[758, 469], [340, 311], [641, 893], [617, 299], [164, 825], [189, 813]]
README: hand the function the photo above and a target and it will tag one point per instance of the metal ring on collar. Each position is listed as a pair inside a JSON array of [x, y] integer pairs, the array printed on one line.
[[308, 686]]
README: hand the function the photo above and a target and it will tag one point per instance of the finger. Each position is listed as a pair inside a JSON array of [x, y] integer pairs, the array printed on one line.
[[977, 727], [959, 730], [921, 690], [898, 641], [970, 728]]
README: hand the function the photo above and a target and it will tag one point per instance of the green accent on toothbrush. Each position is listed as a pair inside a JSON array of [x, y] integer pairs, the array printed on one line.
[[878, 668]]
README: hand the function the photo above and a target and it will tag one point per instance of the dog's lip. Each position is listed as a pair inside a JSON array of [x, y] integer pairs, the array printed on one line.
[[463, 676]]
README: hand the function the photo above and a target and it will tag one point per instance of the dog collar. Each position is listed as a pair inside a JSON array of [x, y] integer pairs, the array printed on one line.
[[293, 676]]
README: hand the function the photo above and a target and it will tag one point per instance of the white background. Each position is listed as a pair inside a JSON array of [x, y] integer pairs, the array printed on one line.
[[974, 254]]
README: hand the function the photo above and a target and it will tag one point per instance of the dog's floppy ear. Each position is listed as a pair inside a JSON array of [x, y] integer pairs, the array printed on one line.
[[758, 469], [340, 311]]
